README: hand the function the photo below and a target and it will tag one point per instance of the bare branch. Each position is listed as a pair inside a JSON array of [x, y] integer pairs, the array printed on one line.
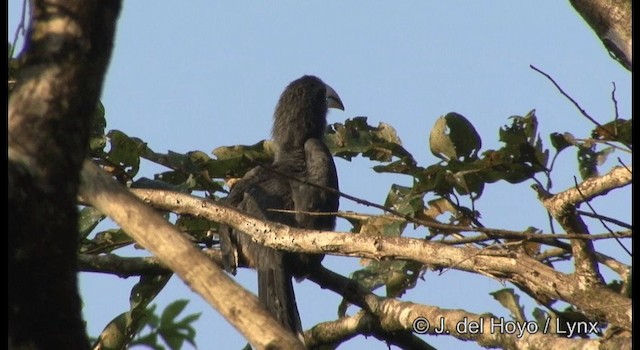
[[582, 111], [551, 239], [121, 266], [615, 106], [605, 218], [176, 251]]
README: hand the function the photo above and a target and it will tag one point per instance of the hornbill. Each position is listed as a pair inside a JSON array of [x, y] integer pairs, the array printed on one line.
[[299, 124]]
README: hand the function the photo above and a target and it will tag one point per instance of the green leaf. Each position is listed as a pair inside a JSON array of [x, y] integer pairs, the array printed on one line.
[[106, 241], [601, 156], [560, 141], [146, 290], [88, 219], [171, 311], [545, 320], [97, 138], [357, 137], [454, 137], [397, 276], [587, 162], [620, 130], [404, 200], [114, 335], [175, 332], [196, 227], [511, 301], [125, 152]]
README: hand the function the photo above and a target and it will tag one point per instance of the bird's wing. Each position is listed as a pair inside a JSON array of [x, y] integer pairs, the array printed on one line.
[[255, 194], [319, 170]]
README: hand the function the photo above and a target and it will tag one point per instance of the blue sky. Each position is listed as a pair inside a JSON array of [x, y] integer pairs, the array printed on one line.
[[199, 75]]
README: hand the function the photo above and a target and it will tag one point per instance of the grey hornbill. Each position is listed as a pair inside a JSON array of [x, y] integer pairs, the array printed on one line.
[[299, 124]]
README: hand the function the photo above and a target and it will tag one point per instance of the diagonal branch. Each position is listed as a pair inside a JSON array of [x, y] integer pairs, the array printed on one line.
[[611, 21], [177, 252]]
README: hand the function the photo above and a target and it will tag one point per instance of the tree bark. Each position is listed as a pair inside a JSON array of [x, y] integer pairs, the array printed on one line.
[[611, 20], [66, 55]]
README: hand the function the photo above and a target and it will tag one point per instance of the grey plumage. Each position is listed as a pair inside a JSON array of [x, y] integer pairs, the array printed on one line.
[[298, 129]]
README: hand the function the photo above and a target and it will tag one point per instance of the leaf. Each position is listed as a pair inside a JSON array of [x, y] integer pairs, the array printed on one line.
[[171, 311], [389, 226], [173, 332], [261, 151], [620, 130], [97, 138], [356, 137], [125, 152], [560, 141], [439, 206], [146, 290], [106, 241], [454, 137], [568, 318], [404, 200], [545, 320], [511, 301], [601, 156], [114, 335], [196, 227], [88, 219], [398, 276], [587, 162]]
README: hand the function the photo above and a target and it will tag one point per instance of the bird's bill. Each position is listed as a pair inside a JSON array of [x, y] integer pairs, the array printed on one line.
[[333, 100]]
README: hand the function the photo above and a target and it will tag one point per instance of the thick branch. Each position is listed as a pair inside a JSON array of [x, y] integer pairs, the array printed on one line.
[[611, 20], [618, 177], [396, 315], [543, 281], [362, 323], [562, 207], [68, 46], [177, 252]]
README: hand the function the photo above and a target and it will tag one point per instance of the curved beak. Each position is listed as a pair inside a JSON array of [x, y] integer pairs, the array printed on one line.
[[333, 100]]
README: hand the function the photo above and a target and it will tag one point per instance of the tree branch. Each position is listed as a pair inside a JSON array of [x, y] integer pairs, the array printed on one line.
[[611, 21], [362, 323], [177, 252], [396, 315], [517, 267], [67, 51], [562, 207]]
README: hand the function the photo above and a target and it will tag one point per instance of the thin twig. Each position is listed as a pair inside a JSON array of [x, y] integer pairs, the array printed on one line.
[[624, 165], [575, 180], [495, 233], [615, 106], [604, 142], [20, 28], [408, 218], [582, 111], [605, 218]]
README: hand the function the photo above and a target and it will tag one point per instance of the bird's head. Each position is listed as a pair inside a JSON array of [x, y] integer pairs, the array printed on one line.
[[301, 112]]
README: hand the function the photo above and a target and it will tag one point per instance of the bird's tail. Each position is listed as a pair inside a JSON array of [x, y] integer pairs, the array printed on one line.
[[275, 290]]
